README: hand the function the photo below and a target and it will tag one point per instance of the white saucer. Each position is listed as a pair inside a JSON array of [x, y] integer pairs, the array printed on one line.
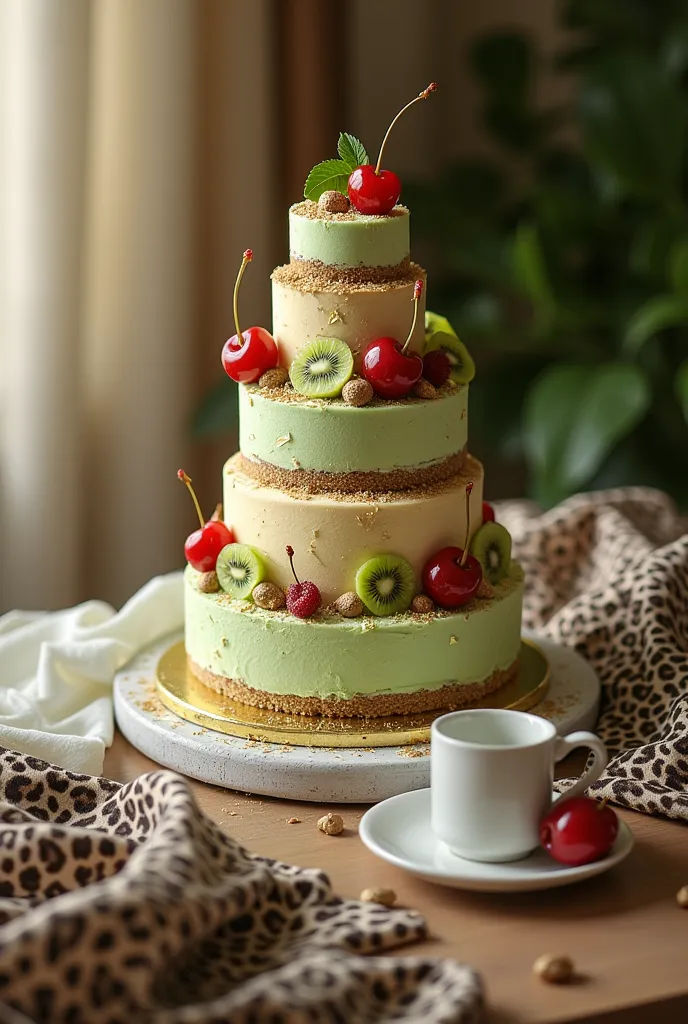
[[398, 830]]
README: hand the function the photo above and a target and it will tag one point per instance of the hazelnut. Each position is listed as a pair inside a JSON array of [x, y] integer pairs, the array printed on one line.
[[385, 897], [349, 605], [268, 595], [293, 821], [331, 824], [422, 604], [556, 970], [273, 378], [424, 389], [485, 589], [208, 582], [357, 392], [682, 897], [333, 202]]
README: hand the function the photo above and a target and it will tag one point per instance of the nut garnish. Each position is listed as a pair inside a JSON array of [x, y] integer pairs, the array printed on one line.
[[269, 595], [331, 824], [556, 970], [208, 582], [349, 605], [333, 202], [274, 378], [422, 604], [424, 389], [385, 897], [682, 897], [357, 392]]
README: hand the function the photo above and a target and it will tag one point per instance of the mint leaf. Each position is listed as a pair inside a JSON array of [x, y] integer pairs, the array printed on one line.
[[330, 174], [351, 151]]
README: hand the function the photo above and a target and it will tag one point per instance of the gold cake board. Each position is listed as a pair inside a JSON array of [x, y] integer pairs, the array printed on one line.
[[184, 694]]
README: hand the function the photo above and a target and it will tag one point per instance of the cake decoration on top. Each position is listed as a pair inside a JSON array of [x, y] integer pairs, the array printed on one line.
[[371, 190]]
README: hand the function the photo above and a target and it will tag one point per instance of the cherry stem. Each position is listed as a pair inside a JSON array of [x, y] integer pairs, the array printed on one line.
[[417, 292], [464, 556], [247, 257], [187, 480], [421, 96], [290, 552]]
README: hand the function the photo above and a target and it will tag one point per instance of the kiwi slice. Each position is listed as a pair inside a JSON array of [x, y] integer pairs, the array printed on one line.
[[491, 545], [386, 584], [239, 569], [462, 365], [434, 323], [322, 368]]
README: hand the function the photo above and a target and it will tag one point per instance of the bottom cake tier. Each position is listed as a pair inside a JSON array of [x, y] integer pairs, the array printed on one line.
[[368, 666]]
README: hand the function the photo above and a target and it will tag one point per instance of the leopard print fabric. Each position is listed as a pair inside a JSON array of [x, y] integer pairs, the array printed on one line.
[[126, 904], [607, 574]]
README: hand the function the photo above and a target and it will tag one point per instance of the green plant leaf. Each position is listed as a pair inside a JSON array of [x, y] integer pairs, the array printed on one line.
[[634, 125], [351, 151], [574, 417], [654, 316], [681, 387], [328, 175], [678, 266], [530, 270], [218, 412]]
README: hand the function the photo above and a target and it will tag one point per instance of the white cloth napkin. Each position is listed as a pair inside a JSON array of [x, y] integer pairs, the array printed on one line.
[[56, 671]]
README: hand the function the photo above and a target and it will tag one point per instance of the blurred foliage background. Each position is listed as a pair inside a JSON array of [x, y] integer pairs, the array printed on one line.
[[562, 260], [564, 266]]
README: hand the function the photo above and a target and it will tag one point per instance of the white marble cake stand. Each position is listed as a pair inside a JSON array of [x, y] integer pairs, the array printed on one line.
[[319, 774]]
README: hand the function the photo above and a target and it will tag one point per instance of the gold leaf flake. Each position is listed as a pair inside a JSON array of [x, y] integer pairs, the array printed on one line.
[[224, 641], [335, 317], [295, 462], [453, 640], [463, 414], [282, 440]]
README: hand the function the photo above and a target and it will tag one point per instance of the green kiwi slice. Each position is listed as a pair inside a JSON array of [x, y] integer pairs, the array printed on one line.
[[386, 584], [239, 569], [434, 323], [322, 368], [491, 545], [462, 365]]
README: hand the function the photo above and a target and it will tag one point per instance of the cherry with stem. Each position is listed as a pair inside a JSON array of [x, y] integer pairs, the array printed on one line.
[[248, 354], [372, 190], [452, 576], [386, 364], [204, 545]]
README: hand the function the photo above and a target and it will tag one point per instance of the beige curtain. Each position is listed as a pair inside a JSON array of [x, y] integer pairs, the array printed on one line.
[[135, 165]]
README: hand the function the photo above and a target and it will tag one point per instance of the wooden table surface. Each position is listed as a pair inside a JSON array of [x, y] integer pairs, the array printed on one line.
[[624, 930]]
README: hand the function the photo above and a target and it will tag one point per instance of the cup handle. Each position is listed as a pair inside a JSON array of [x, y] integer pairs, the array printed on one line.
[[565, 744]]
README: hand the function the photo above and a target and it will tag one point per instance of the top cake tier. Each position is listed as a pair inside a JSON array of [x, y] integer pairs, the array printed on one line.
[[348, 239]]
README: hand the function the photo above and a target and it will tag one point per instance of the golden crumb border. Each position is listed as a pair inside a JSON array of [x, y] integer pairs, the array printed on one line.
[[317, 277], [311, 211]]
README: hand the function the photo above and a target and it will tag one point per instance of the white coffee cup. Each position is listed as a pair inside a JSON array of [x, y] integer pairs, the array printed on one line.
[[492, 773]]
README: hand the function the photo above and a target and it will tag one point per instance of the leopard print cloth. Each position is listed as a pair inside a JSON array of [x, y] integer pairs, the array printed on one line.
[[126, 904], [607, 574]]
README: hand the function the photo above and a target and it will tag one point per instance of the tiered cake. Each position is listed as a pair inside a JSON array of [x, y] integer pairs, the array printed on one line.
[[375, 499]]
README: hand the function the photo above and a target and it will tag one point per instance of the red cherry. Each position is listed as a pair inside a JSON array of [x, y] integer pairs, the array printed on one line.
[[391, 373], [436, 367], [248, 354], [579, 831], [303, 598], [204, 545], [371, 190], [452, 576], [247, 360], [386, 365], [488, 513], [448, 582]]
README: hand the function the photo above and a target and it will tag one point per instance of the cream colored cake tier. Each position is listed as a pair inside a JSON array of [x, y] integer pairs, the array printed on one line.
[[347, 667], [289, 440], [334, 534], [310, 302]]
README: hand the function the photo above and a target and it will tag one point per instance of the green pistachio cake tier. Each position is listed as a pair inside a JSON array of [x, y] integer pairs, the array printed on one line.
[[331, 665], [348, 239]]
